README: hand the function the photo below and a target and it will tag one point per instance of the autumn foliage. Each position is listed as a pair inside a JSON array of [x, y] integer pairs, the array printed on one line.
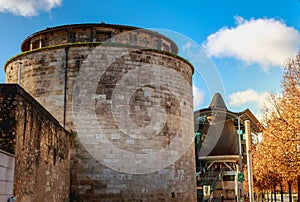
[[276, 159]]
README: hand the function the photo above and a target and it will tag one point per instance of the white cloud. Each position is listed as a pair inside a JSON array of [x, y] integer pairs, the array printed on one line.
[[263, 100], [243, 97], [187, 46], [27, 8], [260, 118], [267, 42], [198, 97]]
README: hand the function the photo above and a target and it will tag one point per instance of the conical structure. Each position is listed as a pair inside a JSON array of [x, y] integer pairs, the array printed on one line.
[[217, 102], [219, 133]]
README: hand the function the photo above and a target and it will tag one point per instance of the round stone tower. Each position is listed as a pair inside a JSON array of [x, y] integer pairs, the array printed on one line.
[[126, 97]]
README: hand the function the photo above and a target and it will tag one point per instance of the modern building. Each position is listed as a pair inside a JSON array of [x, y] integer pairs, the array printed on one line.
[[220, 141]]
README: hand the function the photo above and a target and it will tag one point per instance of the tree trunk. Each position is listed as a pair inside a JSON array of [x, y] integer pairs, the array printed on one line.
[[290, 191], [298, 185], [271, 196], [274, 193], [281, 192]]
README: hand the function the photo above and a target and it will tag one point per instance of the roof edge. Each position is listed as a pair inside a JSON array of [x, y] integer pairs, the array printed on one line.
[[101, 24]]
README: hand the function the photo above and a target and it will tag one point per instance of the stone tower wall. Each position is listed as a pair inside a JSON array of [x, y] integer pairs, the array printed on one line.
[[98, 33], [103, 177]]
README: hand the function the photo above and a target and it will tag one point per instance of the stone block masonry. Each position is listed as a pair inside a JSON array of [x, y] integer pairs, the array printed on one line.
[[8, 121], [65, 63], [41, 148]]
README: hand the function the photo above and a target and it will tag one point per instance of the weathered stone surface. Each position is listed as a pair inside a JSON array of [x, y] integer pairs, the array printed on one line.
[[56, 75], [7, 121], [41, 150], [88, 33]]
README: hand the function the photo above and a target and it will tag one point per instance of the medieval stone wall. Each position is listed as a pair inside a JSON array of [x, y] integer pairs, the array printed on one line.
[[99, 33], [42, 79], [42, 149], [8, 121], [55, 76]]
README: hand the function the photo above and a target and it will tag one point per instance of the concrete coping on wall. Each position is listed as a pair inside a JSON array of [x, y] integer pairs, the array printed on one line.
[[6, 153]]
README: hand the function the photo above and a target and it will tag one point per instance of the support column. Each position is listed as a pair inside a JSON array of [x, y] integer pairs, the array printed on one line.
[[249, 159], [240, 185], [20, 73], [40, 43]]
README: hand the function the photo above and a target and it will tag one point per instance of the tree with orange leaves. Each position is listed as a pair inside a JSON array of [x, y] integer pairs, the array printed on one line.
[[277, 158]]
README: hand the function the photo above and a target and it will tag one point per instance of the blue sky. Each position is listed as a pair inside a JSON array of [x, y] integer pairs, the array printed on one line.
[[246, 42]]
